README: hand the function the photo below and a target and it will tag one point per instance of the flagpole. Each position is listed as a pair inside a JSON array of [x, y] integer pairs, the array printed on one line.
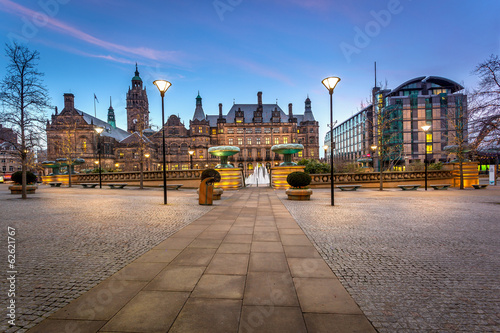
[[95, 112]]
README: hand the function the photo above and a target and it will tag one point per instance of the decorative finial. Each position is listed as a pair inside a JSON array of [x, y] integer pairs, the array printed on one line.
[[110, 104]]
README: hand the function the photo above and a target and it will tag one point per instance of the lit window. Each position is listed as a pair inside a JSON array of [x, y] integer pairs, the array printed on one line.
[[230, 141], [249, 141], [300, 153], [285, 139], [268, 141], [312, 153], [240, 141], [84, 145], [276, 141], [428, 137], [200, 130], [221, 130], [214, 131], [257, 141], [185, 167], [429, 148]]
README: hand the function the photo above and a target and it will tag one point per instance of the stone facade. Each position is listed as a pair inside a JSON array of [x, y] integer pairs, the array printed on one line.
[[254, 128]]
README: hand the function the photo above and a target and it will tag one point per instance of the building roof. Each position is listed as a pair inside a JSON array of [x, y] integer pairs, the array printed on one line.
[[116, 133], [437, 80], [248, 109]]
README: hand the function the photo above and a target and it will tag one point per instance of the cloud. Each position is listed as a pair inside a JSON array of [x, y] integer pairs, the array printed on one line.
[[63, 28]]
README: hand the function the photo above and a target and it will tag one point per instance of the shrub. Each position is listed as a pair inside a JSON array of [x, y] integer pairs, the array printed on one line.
[[314, 166], [298, 179], [436, 166], [211, 173], [17, 177]]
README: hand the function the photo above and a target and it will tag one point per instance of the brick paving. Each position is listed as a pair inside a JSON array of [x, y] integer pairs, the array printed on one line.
[[414, 261], [68, 240], [245, 266]]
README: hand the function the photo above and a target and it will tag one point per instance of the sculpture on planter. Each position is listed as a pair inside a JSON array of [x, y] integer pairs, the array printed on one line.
[[206, 192], [299, 181]]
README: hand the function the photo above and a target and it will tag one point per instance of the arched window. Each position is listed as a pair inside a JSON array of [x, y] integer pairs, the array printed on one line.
[[174, 149]]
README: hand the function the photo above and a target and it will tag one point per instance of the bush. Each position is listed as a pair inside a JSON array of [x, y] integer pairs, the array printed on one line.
[[17, 177], [436, 166], [314, 166], [211, 173], [298, 179]]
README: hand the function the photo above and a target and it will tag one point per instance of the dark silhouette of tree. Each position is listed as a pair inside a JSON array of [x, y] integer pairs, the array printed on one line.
[[24, 99]]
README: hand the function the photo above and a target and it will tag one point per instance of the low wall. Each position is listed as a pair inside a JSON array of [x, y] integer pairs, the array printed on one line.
[[391, 179], [188, 178]]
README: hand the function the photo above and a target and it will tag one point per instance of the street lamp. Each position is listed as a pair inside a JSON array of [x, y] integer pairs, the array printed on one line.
[[99, 130], [373, 148], [191, 153], [325, 147], [163, 86], [425, 128], [330, 83]]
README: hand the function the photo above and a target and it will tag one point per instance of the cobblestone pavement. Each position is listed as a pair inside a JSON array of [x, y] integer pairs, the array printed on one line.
[[414, 261], [68, 240]]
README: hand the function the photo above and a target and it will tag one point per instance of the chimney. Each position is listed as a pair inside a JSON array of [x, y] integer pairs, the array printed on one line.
[[290, 112], [220, 110], [259, 98], [69, 101]]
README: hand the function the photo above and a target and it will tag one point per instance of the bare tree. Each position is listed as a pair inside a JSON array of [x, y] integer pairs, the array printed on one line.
[[25, 99], [484, 105], [386, 124]]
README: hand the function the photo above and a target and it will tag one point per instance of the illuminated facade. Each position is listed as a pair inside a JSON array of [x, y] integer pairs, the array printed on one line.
[[398, 118], [254, 128]]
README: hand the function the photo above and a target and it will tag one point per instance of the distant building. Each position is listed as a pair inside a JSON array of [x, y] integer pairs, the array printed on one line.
[[425, 100], [254, 128], [9, 157]]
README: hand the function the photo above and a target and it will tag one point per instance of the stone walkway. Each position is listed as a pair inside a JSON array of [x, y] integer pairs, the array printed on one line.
[[245, 266]]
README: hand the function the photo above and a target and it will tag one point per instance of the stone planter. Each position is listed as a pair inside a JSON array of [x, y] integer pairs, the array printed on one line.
[[299, 193], [18, 189]]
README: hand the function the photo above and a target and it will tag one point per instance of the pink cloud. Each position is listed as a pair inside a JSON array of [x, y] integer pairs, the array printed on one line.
[[63, 28]]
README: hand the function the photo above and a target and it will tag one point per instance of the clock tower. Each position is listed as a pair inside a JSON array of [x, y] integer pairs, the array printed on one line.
[[137, 105]]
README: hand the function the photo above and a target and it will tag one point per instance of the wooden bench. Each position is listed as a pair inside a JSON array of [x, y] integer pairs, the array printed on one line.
[[90, 185], [173, 186], [412, 187], [479, 186], [55, 184], [440, 186], [348, 187], [117, 185]]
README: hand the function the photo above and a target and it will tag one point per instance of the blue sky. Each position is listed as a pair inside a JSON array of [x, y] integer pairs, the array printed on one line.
[[231, 49]]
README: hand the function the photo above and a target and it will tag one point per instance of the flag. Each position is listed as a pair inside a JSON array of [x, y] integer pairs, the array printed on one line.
[[95, 97]]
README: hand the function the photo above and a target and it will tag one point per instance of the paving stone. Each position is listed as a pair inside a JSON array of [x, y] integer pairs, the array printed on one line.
[[159, 256], [220, 286], [234, 248], [58, 325], [228, 263], [149, 311], [270, 288], [267, 247], [177, 278], [309, 267], [267, 262], [326, 323], [301, 252], [271, 319], [208, 315], [194, 256]]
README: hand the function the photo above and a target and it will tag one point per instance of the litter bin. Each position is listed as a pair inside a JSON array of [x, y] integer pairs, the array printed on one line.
[[206, 191]]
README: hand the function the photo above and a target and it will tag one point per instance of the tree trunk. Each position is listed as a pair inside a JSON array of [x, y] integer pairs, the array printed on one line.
[[381, 174], [460, 162], [69, 173]]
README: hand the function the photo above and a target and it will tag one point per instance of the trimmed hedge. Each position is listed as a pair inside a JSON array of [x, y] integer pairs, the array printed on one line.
[[298, 179], [17, 177]]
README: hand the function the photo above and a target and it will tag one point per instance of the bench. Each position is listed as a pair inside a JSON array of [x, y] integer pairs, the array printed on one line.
[[441, 186], [479, 186], [117, 185], [55, 184], [173, 186], [90, 185], [408, 187], [348, 187]]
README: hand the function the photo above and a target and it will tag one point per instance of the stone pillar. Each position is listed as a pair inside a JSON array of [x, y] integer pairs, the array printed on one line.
[[231, 179], [471, 174], [279, 174]]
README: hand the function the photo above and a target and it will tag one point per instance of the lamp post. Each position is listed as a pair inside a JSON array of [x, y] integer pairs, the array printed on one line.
[[325, 147], [163, 86], [330, 83], [425, 128], [99, 130], [147, 160], [373, 148], [191, 153]]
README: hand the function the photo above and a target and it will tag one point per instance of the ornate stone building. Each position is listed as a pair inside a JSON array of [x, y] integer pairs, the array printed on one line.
[[254, 128]]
